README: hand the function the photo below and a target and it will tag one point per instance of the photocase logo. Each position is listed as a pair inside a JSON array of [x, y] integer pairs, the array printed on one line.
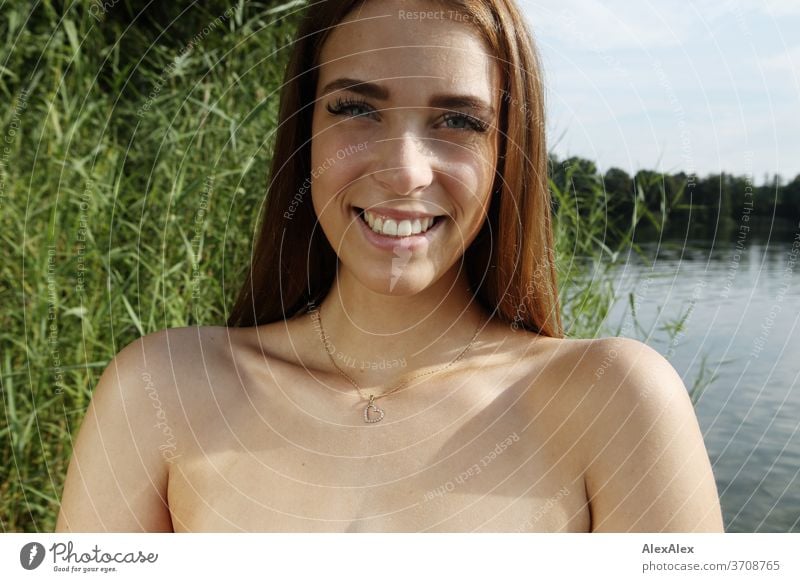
[[31, 555]]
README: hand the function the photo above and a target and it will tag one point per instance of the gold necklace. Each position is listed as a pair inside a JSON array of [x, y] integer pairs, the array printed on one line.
[[317, 314]]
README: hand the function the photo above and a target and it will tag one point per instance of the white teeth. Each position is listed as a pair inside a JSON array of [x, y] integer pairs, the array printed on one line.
[[394, 228], [390, 227]]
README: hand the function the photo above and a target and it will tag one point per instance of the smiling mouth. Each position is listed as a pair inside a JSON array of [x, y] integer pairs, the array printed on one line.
[[397, 228]]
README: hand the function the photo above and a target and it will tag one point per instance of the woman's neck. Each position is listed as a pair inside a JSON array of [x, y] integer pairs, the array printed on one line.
[[376, 337]]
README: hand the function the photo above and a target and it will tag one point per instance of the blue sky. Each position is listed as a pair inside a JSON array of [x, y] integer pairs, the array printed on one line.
[[699, 86]]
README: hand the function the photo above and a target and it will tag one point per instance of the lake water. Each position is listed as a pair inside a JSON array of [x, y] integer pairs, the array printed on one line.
[[740, 293]]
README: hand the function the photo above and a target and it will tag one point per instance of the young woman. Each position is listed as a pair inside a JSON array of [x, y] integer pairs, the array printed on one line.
[[395, 360]]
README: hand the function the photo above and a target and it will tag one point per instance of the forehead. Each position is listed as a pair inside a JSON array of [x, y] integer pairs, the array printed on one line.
[[404, 46]]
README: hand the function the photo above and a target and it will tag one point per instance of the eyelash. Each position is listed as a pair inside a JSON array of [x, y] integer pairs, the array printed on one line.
[[342, 105]]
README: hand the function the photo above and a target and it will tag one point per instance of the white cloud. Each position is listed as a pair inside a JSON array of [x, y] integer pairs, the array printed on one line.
[[730, 65], [592, 25], [621, 24], [788, 61], [774, 7]]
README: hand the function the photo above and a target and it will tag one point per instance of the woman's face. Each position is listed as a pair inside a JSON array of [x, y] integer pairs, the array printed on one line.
[[404, 127]]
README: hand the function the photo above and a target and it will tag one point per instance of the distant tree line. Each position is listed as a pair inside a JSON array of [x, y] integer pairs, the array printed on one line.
[[664, 200]]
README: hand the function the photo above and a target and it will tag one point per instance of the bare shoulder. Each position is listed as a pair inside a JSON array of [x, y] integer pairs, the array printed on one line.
[[647, 468], [183, 356], [623, 374], [119, 471], [600, 367], [178, 347]]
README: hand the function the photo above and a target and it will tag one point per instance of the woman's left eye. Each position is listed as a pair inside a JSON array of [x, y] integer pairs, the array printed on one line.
[[463, 121]]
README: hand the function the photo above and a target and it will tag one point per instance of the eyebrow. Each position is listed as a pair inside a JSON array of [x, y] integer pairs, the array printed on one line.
[[375, 91]]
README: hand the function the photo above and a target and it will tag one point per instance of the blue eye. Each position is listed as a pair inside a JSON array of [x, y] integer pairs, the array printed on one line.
[[350, 107], [464, 121]]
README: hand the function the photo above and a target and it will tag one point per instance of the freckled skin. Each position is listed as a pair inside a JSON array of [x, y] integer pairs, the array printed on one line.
[[412, 159]]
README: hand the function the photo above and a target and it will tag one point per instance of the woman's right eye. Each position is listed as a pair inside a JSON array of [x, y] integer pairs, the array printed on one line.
[[350, 108]]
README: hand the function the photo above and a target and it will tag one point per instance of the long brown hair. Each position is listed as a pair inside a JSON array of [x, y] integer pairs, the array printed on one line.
[[510, 264]]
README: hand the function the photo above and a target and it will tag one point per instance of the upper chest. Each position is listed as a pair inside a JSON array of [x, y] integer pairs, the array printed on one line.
[[486, 452]]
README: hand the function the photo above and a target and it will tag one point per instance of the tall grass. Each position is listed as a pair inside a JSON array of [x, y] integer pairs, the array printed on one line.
[[129, 196], [135, 173], [591, 240]]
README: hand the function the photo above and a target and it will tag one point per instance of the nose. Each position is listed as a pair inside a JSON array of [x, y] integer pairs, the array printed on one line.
[[405, 165]]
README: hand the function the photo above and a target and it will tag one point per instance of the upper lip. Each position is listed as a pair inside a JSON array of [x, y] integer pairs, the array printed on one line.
[[398, 214]]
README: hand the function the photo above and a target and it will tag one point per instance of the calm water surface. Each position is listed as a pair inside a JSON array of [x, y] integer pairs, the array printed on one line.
[[740, 295]]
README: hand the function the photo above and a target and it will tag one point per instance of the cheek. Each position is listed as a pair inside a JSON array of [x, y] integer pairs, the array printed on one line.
[[469, 177], [337, 162], [323, 160]]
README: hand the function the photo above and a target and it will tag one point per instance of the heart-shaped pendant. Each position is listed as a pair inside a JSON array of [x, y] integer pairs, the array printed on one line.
[[377, 410]]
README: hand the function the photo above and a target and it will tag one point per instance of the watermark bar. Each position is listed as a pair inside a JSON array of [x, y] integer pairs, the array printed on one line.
[[400, 556]]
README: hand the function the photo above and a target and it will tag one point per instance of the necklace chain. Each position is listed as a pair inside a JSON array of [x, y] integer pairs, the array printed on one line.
[[317, 313]]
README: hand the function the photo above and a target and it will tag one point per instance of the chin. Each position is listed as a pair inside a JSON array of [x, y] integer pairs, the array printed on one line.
[[396, 280]]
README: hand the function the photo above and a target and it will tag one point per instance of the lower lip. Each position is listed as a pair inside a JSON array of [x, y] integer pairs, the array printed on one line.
[[392, 243]]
